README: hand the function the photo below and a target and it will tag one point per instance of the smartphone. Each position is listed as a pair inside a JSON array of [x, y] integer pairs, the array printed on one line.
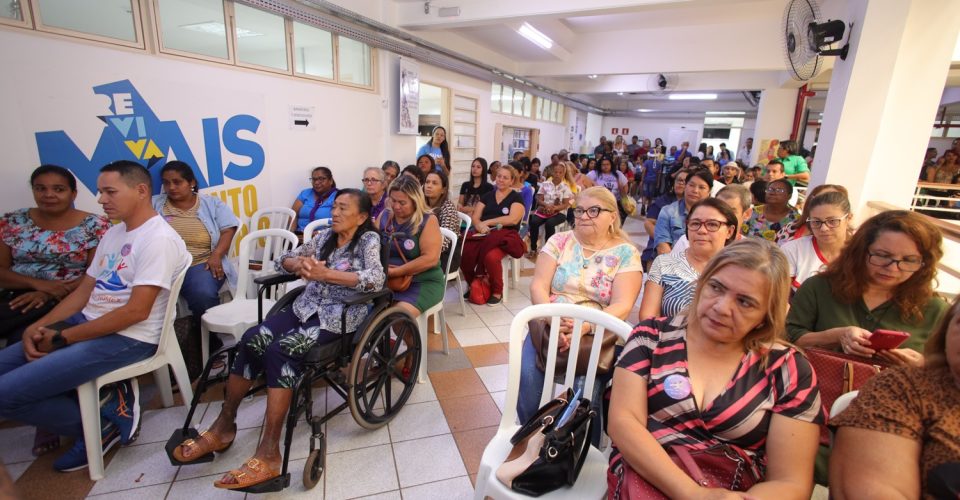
[[887, 339], [59, 325]]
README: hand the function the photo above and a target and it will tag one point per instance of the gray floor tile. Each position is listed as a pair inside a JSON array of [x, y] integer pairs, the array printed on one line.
[[428, 460], [417, 421], [440, 362], [374, 464], [155, 492], [134, 467], [458, 488]]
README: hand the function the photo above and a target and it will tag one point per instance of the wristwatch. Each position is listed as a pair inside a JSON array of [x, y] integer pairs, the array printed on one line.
[[58, 342]]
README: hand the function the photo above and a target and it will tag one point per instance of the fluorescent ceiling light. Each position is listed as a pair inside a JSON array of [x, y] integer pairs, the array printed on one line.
[[726, 112], [692, 97], [535, 36], [217, 28], [592, 77], [644, 110], [619, 93]]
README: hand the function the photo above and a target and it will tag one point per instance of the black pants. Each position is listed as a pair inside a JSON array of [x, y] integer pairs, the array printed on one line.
[[551, 224], [14, 322]]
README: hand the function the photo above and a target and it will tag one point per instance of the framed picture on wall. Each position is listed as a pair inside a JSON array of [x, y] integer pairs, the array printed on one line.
[[409, 109]]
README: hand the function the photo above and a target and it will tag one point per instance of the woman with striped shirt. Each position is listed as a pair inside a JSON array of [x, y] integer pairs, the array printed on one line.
[[719, 374]]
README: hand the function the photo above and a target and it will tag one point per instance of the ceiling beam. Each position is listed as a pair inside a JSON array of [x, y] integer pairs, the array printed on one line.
[[713, 81]]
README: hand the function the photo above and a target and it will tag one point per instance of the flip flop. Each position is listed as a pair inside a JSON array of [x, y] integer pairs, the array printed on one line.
[[44, 442], [251, 473], [205, 444]]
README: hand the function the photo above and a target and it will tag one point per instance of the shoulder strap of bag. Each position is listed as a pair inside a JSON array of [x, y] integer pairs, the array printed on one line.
[[395, 243]]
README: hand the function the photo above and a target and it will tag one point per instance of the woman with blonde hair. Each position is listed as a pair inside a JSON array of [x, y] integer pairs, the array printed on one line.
[[415, 246], [594, 264], [718, 378]]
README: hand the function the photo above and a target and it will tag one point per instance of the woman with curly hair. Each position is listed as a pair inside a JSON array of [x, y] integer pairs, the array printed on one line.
[[883, 279]]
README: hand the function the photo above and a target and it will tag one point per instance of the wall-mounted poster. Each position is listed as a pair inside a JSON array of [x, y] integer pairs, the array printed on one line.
[[768, 150], [409, 97]]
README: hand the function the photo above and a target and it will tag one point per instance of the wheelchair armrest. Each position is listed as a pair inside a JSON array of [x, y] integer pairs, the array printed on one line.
[[360, 298], [275, 279]]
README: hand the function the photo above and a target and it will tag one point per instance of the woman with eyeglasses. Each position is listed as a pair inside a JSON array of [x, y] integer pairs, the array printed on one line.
[[799, 227], [375, 185], [672, 279], [883, 279], [774, 214], [829, 217], [315, 202], [596, 265], [653, 211]]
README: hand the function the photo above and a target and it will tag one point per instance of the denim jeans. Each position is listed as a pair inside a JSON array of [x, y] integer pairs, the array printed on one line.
[[531, 389], [41, 392], [201, 290]]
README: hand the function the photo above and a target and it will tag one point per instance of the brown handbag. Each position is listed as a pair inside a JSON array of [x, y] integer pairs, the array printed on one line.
[[400, 283], [540, 336], [837, 374]]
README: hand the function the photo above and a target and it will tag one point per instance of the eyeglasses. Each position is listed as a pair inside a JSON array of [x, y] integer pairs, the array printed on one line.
[[831, 223], [880, 260], [776, 190], [319, 179], [369, 180], [711, 225], [591, 212]]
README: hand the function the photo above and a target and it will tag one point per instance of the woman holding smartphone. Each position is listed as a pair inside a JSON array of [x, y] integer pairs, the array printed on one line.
[[882, 280]]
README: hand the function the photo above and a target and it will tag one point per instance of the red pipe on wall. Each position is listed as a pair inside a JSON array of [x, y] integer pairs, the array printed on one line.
[[802, 96]]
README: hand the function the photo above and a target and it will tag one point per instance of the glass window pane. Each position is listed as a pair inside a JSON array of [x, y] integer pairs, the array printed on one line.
[[261, 38], [495, 97], [506, 102], [13, 10], [464, 102], [528, 105], [953, 131], [464, 128], [560, 109], [109, 18], [194, 26], [354, 62], [462, 115], [313, 51], [518, 102]]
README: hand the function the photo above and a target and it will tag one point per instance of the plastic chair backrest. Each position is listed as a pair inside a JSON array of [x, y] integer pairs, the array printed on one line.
[[450, 235], [842, 403], [602, 322], [313, 226], [277, 242], [277, 218], [466, 221], [167, 338]]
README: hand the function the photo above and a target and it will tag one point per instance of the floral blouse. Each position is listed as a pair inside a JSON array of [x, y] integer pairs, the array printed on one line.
[[50, 255], [578, 278], [758, 225], [325, 299]]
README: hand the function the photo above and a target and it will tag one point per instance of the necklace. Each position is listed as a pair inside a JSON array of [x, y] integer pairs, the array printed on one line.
[[585, 261]]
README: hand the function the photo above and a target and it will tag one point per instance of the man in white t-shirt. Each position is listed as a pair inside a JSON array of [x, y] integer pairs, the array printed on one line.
[[111, 320], [738, 197]]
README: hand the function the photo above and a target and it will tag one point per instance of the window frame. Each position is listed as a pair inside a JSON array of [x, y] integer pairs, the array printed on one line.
[[161, 49], [333, 54], [26, 8], [287, 39], [136, 14], [374, 74]]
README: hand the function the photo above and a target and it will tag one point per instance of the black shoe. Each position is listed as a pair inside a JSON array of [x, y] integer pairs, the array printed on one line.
[[466, 295], [494, 300]]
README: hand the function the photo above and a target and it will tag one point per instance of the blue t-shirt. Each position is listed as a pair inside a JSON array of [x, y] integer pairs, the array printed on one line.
[[428, 149], [652, 170], [309, 199]]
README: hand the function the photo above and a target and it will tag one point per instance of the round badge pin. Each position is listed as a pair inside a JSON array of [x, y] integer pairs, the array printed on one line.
[[408, 244], [125, 250], [677, 386], [505, 210]]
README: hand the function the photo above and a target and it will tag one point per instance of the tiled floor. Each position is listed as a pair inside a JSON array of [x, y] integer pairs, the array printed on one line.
[[431, 449]]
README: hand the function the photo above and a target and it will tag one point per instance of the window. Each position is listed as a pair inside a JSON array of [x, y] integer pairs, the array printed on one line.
[[14, 12], [194, 26], [313, 51], [518, 96], [113, 19], [495, 97], [260, 37], [355, 64], [506, 101]]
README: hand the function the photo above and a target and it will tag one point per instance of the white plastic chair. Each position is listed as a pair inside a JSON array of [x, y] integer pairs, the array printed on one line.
[[454, 274], [277, 217], [236, 316], [439, 320], [313, 226], [168, 353], [592, 482]]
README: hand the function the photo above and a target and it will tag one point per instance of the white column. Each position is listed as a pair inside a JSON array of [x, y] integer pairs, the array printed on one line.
[[774, 118], [883, 98]]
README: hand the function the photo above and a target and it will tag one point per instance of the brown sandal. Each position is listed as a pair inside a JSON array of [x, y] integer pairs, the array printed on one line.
[[205, 444], [251, 473]]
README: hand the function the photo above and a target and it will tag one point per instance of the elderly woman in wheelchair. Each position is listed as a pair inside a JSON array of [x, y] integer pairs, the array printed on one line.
[[337, 263]]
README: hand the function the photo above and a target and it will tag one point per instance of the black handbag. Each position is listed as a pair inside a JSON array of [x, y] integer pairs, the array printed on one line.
[[547, 456]]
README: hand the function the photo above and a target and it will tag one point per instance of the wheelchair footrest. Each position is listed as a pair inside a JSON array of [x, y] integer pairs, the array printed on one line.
[[177, 438], [276, 484]]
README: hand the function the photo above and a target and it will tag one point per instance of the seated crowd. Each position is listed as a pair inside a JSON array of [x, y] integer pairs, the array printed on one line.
[[740, 279]]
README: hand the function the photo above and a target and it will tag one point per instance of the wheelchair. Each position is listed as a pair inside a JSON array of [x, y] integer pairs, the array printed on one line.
[[365, 368]]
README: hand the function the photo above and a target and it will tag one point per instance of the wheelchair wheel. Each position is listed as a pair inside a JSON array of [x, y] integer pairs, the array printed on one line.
[[384, 368], [313, 469]]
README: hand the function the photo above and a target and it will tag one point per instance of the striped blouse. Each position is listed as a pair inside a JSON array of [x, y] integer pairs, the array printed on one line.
[[678, 279], [740, 415]]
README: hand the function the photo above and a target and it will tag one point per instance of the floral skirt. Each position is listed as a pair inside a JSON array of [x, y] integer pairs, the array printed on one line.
[[276, 348]]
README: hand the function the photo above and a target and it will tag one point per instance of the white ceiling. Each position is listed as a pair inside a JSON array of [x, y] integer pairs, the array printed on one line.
[[724, 46]]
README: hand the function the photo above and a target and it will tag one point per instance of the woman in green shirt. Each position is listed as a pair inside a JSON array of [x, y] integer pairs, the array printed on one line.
[[883, 279]]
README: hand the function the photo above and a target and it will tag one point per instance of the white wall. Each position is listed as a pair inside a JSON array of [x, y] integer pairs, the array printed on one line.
[[650, 128], [47, 85]]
